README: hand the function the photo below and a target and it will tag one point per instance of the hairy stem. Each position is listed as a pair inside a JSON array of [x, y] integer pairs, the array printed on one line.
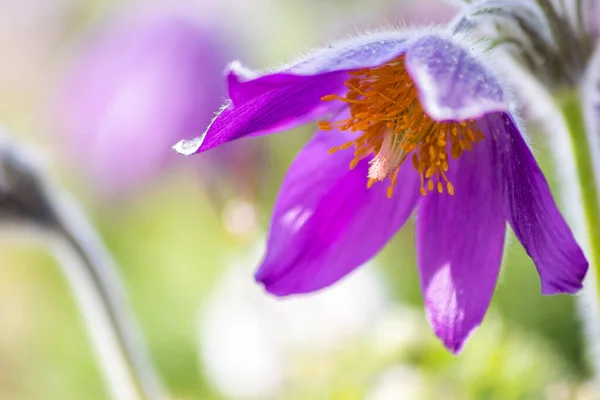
[[28, 198], [586, 178], [93, 276], [585, 209]]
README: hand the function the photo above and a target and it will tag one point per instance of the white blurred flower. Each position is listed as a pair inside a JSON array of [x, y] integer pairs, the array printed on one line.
[[248, 339], [399, 383], [399, 330], [240, 217]]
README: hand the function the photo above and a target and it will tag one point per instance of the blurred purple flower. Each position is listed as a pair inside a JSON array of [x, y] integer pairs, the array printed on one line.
[[392, 97], [143, 81]]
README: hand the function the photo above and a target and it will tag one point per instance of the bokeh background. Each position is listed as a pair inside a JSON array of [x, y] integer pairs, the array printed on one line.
[[103, 89]]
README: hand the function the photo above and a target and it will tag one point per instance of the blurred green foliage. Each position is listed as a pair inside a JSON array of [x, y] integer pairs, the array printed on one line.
[[172, 249]]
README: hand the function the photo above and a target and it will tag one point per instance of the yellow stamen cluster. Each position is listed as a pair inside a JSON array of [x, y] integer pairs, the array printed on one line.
[[384, 106]]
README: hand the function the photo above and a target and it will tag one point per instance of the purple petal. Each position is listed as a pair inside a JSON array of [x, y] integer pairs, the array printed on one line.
[[530, 209], [459, 246], [292, 96], [276, 110], [326, 222], [453, 84], [364, 51]]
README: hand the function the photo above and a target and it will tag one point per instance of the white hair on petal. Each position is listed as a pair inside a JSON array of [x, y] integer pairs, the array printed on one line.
[[348, 41]]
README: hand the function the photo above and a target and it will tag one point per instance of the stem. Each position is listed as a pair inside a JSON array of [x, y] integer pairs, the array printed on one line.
[[28, 198], [585, 209], [570, 105], [93, 277]]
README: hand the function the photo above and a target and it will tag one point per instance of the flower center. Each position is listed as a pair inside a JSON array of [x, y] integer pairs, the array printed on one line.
[[384, 106]]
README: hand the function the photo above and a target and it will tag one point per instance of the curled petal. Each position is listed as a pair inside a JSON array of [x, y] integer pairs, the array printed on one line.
[[244, 84], [361, 52], [278, 109], [292, 96], [453, 84], [459, 246], [530, 209], [326, 221]]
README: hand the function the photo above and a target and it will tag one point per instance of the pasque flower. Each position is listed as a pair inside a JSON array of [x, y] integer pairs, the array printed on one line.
[[408, 121]]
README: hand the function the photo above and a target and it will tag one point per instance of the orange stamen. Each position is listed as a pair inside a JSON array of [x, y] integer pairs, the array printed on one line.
[[384, 106]]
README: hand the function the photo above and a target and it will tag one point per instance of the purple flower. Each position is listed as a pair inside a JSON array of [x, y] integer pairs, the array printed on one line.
[[143, 81], [430, 128]]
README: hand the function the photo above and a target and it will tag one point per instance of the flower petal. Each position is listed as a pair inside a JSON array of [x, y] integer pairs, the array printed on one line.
[[292, 96], [459, 245], [361, 52], [530, 209], [276, 110], [453, 84], [326, 221]]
